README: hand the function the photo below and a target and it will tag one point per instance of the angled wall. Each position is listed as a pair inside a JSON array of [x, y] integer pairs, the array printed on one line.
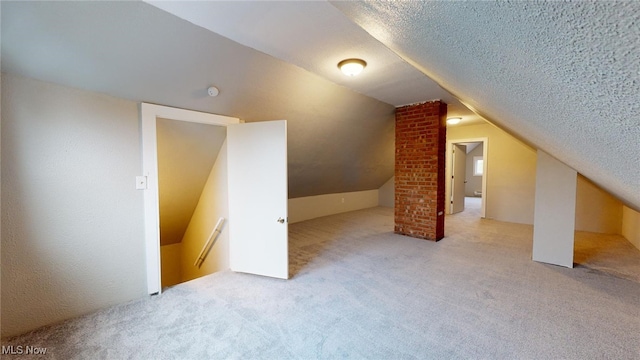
[[339, 140], [186, 154], [596, 210], [212, 205]]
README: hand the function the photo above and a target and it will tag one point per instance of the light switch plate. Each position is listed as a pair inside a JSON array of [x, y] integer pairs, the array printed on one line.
[[141, 182]]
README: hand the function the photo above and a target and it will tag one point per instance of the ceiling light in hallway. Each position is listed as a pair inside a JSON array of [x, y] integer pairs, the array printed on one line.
[[453, 121]]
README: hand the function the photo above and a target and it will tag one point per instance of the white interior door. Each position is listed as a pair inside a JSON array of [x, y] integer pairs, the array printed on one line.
[[458, 178], [257, 170]]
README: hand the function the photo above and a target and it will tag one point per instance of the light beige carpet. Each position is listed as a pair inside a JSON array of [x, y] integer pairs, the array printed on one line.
[[359, 291]]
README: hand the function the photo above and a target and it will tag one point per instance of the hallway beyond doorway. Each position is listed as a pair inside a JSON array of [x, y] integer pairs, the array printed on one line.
[[472, 207]]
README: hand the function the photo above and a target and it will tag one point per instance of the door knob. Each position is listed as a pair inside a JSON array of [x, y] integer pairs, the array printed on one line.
[[281, 220]]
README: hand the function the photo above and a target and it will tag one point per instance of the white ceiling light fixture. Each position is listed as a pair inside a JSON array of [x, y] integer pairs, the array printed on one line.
[[454, 120], [352, 67]]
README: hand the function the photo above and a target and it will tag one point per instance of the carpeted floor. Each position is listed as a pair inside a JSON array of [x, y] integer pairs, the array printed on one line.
[[359, 291]]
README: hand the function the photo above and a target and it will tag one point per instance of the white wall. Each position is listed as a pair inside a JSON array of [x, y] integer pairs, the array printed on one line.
[[510, 176], [631, 226], [171, 264], [213, 204], [554, 223], [72, 221], [387, 193], [311, 207]]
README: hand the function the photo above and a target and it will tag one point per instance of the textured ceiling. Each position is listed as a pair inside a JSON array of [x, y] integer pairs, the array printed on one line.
[[564, 76], [186, 154]]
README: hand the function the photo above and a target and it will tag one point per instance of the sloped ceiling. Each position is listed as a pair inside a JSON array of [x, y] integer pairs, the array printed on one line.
[[339, 140], [565, 76], [316, 36], [561, 76], [186, 154]]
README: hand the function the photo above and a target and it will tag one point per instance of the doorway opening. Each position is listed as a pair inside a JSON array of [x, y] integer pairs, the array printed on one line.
[[466, 171], [151, 115], [257, 210], [192, 193]]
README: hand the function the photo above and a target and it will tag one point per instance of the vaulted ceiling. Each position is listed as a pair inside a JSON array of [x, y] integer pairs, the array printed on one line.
[[561, 76]]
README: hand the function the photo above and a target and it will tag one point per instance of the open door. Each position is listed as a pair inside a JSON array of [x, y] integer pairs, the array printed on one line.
[[258, 192], [458, 178]]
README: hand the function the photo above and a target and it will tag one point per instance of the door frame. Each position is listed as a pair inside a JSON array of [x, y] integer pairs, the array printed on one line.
[[149, 113], [485, 166], [455, 165]]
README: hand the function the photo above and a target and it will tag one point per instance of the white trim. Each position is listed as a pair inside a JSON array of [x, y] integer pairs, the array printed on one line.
[[448, 164], [148, 116]]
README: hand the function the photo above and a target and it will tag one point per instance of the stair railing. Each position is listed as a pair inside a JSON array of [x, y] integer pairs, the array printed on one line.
[[207, 245]]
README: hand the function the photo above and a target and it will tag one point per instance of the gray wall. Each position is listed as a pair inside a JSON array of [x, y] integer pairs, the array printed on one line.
[[338, 140], [473, 182], [72, 221], [386, 193]]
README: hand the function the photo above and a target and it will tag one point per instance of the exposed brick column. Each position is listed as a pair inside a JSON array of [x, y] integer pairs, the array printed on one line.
[[421, 135]]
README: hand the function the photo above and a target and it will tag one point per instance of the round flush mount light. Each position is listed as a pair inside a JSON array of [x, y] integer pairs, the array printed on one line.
[[352, 67], [213, 91], [453, 120]]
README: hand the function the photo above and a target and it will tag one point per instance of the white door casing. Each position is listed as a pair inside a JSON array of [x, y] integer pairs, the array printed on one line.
[[149, 113], [485, 172], [257, 168], [458, 178]]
